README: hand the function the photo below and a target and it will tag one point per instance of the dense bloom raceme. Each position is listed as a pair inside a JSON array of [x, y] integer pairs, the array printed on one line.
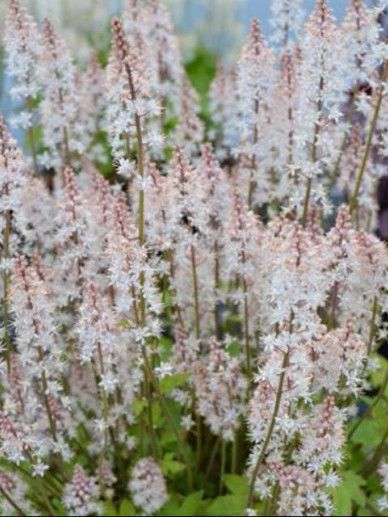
[[12, 486], [13, 178], [37, 343], [13, 170], [220, 388], [316, 106], [23, 48], [255, 76], [131, 105], [281, 130], [190, 130], [81, 494], [287, 17], [223, 101], [365, 53], [166, 55], [91, 90], [104, 351], [147, 486], [62, 130]]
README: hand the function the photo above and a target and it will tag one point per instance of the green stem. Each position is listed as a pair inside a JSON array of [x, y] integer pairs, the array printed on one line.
[[50, 417], [252, 183], [306, 201], [223, 464], [11, 501], [141, 236], [354, 199], [246, 326], [198, 422], [234, 453], [270, 429], [169, 416], [313, 151], [336, 168], [31, 138], [372, 329], [212, 458], [378, 454], [196, 292], [6, 319]]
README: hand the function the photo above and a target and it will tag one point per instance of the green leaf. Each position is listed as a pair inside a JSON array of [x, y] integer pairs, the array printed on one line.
[[167, 438], [157, 414], [348, 492], [125, 324], [367, 433], [171, 467], [126, 508], [170, 382], [139, 406], [234, 349], [228, 505], [370, 432], [378, 375], [237, 485], [192, 504], [109, 509], [171, 507]]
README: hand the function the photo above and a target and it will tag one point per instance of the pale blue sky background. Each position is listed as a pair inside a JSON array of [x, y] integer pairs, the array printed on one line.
[[255, 8], [215, 25]]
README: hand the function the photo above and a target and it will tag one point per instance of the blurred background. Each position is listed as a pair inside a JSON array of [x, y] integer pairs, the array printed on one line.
[[217, 27]]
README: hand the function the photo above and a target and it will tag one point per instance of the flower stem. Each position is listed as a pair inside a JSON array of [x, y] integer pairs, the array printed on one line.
[[353, 205], [50, 417], [370, 467], [196, 292], [246, 327], [317, 129], [270, 429], [306, 201], [169, 416], [5, 256], [223, 464], [11, 501]]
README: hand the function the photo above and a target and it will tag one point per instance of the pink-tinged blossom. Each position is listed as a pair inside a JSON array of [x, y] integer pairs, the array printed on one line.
[[286, 19], [189, 132], [13, 170], [130, 102], [360, 50], [220, 390], [166, 54], [91, 90], [14, 487], [339, 357], [255, 76], [318, 95], [147, 486], [81, 494], [62, 130], [323, 440], [23, 48], [223, 104], [300, 492]]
